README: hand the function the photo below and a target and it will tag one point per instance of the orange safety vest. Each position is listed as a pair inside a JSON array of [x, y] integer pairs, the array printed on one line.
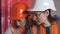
[[22, 31], [42, 31]]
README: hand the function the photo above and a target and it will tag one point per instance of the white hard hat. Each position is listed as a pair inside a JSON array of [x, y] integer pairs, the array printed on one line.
[[42, 5]]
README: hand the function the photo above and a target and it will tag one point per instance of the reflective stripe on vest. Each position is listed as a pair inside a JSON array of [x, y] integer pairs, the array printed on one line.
[[42, 31], [21, 31]]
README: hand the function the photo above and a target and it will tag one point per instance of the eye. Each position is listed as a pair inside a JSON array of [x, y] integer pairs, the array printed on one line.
[[35, 15], [39, 14], [19, 20]]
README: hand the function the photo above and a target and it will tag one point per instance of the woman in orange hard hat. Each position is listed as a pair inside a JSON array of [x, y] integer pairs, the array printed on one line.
[[19, 19]]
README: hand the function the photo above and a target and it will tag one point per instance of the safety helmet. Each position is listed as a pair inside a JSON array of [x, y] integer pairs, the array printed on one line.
[[18, 11], [42, 5]]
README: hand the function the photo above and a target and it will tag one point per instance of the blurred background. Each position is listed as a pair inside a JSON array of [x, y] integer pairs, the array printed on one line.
[[57, 4]]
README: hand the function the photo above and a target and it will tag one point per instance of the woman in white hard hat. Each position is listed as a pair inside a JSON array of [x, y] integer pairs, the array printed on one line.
[[42, 17]]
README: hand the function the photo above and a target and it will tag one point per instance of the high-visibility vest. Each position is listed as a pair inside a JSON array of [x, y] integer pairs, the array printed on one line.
[[42, 31], [22, 31]]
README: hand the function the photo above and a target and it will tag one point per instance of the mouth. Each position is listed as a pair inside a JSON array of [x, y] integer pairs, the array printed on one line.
[[39, 23]]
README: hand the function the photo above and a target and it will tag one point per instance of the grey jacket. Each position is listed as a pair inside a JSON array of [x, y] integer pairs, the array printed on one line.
[[11, 31]]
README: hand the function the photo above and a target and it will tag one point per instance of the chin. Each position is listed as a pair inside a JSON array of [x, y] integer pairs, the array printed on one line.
[[47, 25], [39, 23]]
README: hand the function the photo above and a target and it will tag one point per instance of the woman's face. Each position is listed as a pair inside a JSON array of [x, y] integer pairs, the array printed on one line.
[[21, 22], [40, 17]]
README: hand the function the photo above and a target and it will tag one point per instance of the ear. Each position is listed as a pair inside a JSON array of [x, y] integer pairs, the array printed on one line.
[[47, 13]]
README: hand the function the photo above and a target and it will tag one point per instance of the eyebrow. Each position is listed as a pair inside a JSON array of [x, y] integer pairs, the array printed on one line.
[[19, 20]]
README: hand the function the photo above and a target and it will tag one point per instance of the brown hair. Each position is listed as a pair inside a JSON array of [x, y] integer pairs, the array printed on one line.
[[50, 18]]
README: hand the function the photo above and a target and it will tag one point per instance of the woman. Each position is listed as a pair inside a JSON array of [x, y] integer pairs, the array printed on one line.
[[42, 17], [19, 20]]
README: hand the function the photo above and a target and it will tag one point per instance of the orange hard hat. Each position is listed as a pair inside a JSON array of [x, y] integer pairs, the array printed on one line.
[[18, 11]]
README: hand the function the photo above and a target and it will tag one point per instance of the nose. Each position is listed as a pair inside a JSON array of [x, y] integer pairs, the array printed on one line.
[[37, 17]]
